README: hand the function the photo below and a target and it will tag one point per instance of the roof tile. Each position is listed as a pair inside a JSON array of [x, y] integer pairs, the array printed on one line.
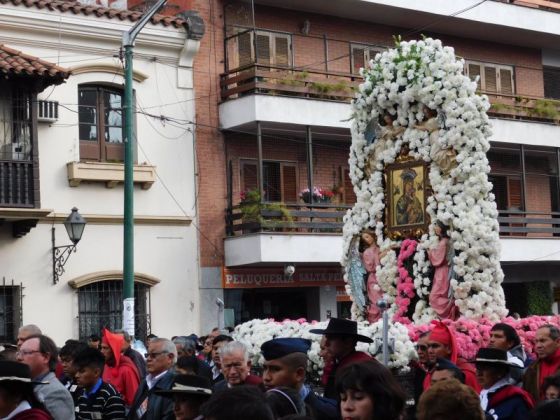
[[17, 63], [87, 9]]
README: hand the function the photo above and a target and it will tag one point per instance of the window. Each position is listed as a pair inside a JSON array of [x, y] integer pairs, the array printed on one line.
[[280, 180], [15, 124], [360, 54], [101, 123], [100, 306], [10, 310], [506, 177], [272, 49], [493, 77], [551, 77]]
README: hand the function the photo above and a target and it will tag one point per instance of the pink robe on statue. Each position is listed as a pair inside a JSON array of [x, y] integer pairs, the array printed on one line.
[[440, 302], [371, 260]]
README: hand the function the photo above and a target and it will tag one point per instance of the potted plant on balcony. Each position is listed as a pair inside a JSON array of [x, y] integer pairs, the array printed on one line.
[[319, 195], [252, 207]]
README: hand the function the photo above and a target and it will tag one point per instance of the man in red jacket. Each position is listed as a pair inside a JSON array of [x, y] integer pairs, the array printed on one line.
[[119, 370], [441, 343], [341, 339]]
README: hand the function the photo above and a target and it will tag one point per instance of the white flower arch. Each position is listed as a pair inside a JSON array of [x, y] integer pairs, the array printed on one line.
[[401, 81]]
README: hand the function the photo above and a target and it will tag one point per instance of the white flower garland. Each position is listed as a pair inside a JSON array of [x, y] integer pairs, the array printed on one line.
[[401, 81], [257, 331]]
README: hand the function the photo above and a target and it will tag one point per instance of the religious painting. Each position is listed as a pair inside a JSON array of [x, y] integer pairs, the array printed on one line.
[[407, 190]]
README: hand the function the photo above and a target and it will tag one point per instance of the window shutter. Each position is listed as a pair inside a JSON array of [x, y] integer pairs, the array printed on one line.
[[358, 60], [474, 70], [245, 48], [514, 194], [506, 81], [282, 51], [289, 183], [349, 195], [263, 48], [249, 178], [490, 79]]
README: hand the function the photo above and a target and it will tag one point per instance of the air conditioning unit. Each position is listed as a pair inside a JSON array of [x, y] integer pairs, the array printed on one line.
[[47, 111]]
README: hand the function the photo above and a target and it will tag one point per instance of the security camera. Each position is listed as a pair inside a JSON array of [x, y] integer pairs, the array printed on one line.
[[220, 302], [289, 270]]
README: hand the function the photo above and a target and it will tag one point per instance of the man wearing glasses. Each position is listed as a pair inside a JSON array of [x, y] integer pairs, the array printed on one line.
[[149, 404], [236, 367], [40, 354]]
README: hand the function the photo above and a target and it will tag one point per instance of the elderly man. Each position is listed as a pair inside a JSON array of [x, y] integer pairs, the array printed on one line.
[[40, 354], [547, 347], [27, 331], [285, 365], [442, 344], [218, 342], [186, 346], [148, 404], [236, 367], [341, 340]]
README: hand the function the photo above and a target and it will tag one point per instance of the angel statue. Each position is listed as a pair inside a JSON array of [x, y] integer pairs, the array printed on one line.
[[445, 157], [356, 273], [441, 296]]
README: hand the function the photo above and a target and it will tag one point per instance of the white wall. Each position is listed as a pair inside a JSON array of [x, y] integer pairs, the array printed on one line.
[[168, 252]]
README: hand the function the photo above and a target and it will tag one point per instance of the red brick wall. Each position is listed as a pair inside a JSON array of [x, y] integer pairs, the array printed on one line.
[[307, 51]]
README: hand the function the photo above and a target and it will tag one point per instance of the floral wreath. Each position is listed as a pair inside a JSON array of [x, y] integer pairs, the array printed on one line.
[[404, 86]]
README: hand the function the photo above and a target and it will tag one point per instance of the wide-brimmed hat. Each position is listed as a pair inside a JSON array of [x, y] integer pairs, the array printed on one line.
[[189, 384], [16, 371], [345, 327], [491, 356]]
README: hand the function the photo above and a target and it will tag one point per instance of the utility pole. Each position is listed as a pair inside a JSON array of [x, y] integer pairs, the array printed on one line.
[[128, 238]]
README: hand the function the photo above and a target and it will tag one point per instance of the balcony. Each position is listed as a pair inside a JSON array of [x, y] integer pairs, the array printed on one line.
[[265, 82]]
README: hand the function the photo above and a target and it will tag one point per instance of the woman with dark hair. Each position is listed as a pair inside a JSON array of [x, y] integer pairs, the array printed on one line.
[[441, 297], [368, 391]]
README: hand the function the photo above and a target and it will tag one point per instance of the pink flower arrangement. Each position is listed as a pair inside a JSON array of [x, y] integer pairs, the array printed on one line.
[[405, 283], [472, 335]]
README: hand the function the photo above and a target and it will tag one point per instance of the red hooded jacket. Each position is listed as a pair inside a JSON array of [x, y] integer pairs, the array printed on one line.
[[123, 375]]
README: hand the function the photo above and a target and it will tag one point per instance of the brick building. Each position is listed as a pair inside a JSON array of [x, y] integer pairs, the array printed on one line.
[[273, 81]]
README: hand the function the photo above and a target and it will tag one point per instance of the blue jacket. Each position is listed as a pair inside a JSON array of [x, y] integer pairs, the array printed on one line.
[[321, 408], [509, 403]]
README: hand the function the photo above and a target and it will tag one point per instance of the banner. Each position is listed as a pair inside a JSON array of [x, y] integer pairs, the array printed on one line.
[[248, 278]]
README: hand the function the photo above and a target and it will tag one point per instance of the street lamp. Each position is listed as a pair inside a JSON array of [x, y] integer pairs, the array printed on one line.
[[74, 225]]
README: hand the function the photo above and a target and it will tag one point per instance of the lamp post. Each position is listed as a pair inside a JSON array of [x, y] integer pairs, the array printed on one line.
[[75, 225]]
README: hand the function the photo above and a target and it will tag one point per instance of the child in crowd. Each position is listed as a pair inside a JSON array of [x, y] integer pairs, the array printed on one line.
[[99, 400]]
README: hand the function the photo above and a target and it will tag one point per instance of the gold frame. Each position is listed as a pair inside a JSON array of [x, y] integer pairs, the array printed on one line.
[[398, 231]]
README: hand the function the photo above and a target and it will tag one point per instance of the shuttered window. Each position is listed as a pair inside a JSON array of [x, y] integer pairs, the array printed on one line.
[[360, 54], [508, 192], [492, 78], [269, 49], [280, 180]]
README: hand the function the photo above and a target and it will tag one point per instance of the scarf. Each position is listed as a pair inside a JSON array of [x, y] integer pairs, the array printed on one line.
[[549, 366]]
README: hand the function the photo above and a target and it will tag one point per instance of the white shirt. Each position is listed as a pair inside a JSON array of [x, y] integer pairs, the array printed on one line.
[[152, 380], [484, 393]]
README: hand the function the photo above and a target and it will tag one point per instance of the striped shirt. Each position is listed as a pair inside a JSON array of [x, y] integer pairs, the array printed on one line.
[[102, 403]]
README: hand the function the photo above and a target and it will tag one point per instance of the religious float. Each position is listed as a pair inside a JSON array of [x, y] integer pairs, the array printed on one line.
[[423, 233]]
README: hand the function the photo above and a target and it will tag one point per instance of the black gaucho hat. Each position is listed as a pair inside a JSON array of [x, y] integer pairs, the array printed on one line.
[[492, 356], [345, 327], [16, 371], [189, 384]]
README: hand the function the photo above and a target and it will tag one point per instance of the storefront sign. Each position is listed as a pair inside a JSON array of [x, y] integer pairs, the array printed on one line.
[[247, 278]]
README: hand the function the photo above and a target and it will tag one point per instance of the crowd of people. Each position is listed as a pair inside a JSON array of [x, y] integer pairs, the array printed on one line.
[[211, 377]]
